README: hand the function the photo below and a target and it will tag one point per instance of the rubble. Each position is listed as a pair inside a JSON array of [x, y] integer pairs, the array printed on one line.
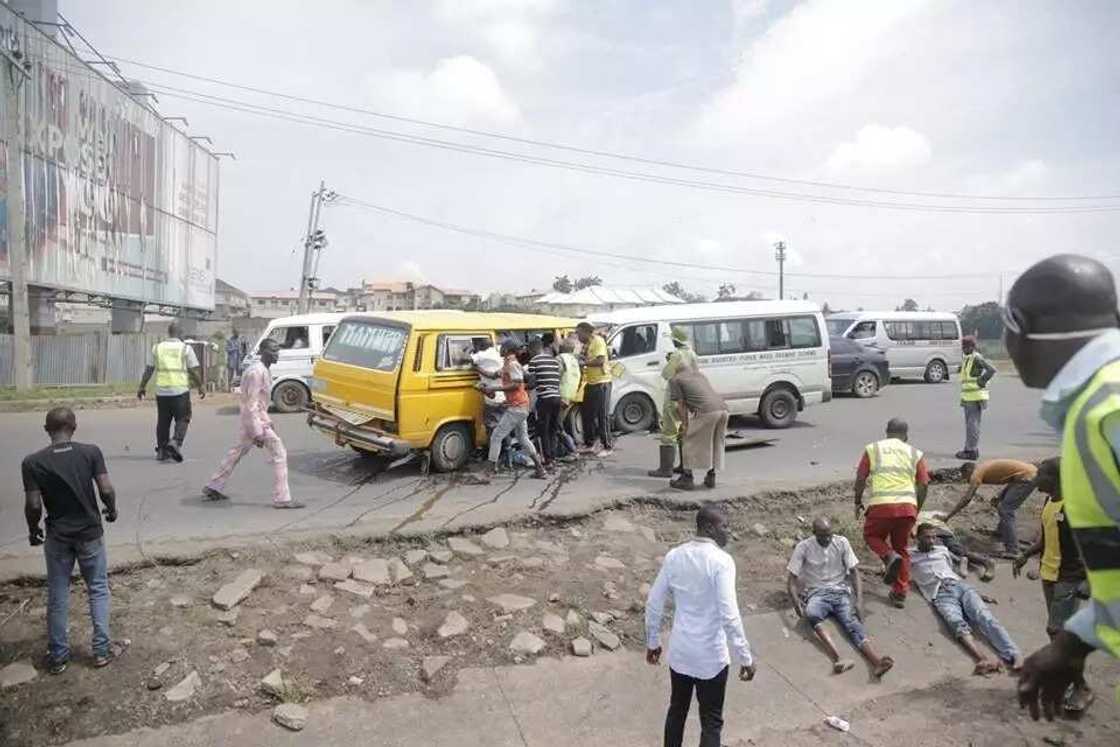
[[335, 572], [400, 627], [233, 593], [606, 562], [432, 571], [496, 539], [374, 572], [320, 623], [291, 716], [581, 647], [553, 623], [441, 556], [353, 587], [605, 637], [400, 573], [266, 638], [322, 604], [313, 559], [454, 624], [432, 665], [273, 684], [464, 548], [186, 688], [395, 644], [365, 633], [181, 602], [413, 558], [526, 643], [509, 603], [16, 673]]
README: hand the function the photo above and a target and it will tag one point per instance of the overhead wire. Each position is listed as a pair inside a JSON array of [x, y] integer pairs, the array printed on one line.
[[605, 153]]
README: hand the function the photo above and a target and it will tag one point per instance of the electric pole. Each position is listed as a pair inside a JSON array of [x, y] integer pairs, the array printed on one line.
[[18, 306], [780, 255], [313, 243]]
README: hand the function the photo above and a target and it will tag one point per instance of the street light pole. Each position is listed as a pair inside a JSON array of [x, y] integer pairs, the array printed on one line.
[[312, 226], [780, 255]]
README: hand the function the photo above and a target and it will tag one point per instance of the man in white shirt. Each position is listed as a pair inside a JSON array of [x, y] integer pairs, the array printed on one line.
[[823, 573], [707, 627], [959, 605]]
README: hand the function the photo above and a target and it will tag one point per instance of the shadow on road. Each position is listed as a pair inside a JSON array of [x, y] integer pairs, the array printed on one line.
[[345, 467]]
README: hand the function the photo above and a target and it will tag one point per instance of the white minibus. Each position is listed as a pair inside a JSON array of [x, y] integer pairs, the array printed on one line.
[[301, 339], [918, 344]]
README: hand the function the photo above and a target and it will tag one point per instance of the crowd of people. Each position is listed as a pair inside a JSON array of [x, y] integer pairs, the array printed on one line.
[[1063, 333]]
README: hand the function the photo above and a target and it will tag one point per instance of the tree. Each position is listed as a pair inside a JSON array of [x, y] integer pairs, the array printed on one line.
[[726, 291], [825, 308], [587, 282], [562, 284], [676, 289], [983, 320], [908, 305], [805, 296]]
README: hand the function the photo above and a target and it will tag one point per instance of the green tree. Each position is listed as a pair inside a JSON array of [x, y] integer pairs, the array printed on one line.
[[562, 284], [726, 291], [587, 282], [676, 289], [982, 320], [908, 305]]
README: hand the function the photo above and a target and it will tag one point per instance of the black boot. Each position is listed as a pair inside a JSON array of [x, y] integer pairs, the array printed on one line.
[[667, 455], [684, 482], [710, 479]]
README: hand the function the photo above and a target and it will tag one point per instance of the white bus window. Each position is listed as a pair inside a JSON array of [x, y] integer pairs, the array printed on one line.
[[898, 331], [732, 337], [637, 340], [803, 332], [776, 338], [756, 335], [921, 330], [454, 352], [949, 331], [862, 331], [290, 338], [705, 338]]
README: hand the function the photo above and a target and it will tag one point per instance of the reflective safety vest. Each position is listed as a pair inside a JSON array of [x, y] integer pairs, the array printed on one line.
[[171, 365], [894, 465], [1091, 496], [971, 391], [678, 358]]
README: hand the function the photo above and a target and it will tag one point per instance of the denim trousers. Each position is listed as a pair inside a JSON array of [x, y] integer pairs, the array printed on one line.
[[93, 564], [1010, 499], [961, 607], [836, 603]]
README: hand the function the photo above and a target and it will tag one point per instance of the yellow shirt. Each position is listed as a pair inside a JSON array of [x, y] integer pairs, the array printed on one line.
[[1051, 544], [597, 348]]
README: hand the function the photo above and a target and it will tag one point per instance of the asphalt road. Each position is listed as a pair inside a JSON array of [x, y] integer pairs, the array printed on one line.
[[162, 512]]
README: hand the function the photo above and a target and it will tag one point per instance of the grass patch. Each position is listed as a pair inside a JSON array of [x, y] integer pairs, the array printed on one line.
[[58, 393]]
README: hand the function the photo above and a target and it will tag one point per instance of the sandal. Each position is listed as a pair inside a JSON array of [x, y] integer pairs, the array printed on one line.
[[886, 663], [987, 668], [842, 665]]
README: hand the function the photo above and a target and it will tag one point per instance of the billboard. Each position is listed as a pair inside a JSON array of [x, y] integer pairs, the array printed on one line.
[[118, 202]]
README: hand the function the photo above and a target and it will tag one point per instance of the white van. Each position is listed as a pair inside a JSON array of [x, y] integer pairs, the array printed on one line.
[[918, 344], [302, 339], [765, 358]]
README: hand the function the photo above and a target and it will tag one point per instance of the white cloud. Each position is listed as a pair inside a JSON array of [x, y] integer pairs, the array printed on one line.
[[1026, 176], [878, 149], [470, 10], [516, 42], [811, 55], [458, 90], [410, 270], [510, 29]]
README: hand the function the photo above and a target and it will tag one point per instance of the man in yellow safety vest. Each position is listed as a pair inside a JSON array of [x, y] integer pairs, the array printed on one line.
[[1063, 332], [680, 357], [976, 372], [175, 367]]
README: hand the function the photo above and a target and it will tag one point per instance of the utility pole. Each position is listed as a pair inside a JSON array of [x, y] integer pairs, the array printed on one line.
[[313, 243], [780, 255], [18, 306]]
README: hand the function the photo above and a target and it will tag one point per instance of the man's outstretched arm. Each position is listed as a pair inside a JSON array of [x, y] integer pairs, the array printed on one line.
[[33, 512]]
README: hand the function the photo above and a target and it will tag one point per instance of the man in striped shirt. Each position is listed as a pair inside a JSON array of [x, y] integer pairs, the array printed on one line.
[[544, 369]]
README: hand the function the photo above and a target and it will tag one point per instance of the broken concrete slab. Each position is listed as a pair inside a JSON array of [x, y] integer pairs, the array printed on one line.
[[464, 548], [233, 593], [400, 573], [553, 623], [581, 647], [497, 538], [353, 587], [321, 605], [432, 665], [415, 557], [526, 643], [441, 556], [454, 624], [273, 684], [395, 644], [266, 638], [17, 673], [335, 572], [291, 716], [185, 690], [605, 637], [374, 571], [432, 571], [313, 559], [573, 619], [510, 603], [319, 623]]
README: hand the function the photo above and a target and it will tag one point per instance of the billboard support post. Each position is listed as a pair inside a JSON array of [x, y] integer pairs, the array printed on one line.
[[18, 302]]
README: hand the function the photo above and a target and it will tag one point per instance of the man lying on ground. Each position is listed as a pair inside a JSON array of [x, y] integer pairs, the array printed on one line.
[[960, 605], [946, 536], [823, 575]]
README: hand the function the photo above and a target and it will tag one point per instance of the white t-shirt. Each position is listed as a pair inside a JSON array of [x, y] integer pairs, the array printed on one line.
[[819, 568], [489, 364], [929, 569]]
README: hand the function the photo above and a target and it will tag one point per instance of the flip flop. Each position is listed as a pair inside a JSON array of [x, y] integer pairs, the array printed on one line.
[[987, 668], [841, 666], [886, 663], [214, 495]]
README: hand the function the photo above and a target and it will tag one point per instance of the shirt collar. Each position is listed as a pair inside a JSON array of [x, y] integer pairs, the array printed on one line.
[[1075, 374], [708, 540]]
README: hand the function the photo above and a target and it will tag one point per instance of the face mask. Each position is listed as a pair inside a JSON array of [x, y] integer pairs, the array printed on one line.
[[825, 541]]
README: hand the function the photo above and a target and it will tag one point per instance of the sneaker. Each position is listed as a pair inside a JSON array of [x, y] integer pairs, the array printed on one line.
[[898, 600], [894, 567], [288, 504], [57, 666], [172, 451], [214, 495], [161, 455], [967, 456], [116, 651], [604, 452]]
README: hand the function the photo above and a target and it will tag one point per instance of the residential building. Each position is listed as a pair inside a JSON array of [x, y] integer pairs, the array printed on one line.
[[406, 295], [230, 302], [600, 298], [275, 304]]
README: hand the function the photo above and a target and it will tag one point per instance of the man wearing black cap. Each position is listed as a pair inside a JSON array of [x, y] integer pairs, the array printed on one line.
[[976, 372], [1061, 329]]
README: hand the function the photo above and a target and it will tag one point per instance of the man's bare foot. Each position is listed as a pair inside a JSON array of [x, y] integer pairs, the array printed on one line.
[[1015, 666], [885, 665], [989, 571], [987, 668], [842, 665], [1077, 701]]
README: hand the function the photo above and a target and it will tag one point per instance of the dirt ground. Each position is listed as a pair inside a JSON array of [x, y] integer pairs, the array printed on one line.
[[563, 567]]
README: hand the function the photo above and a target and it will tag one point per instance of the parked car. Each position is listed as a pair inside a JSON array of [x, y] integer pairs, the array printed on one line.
[[919, 344], [856, 369]]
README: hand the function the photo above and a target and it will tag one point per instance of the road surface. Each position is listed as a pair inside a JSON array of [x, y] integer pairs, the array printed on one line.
[[162, 512]]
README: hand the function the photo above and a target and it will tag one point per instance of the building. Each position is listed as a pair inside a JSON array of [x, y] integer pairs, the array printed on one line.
[[598, 298], [406, 295], [275, 304], [230, 302]]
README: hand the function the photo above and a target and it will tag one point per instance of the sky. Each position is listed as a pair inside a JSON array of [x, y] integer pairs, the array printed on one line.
[[1010, 99]]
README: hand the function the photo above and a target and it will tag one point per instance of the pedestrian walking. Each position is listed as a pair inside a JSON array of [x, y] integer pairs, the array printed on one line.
[[823, 578], [703, 416], [67, 478], [176, 367], [1062, 572], [233, 358], [1061, 329], [545, 373], [681, 356], [256, 431], [899, 479], [597, 390], [699, 576], [1018, 481], [976, 372], [959, 605], [515, 418]]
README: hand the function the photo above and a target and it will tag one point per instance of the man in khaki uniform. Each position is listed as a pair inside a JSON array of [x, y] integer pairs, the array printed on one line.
[[703, 415], [680, 357]]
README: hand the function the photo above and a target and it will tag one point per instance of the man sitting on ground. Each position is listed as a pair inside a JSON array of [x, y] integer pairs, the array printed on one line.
[[823, 574], [958, 604]]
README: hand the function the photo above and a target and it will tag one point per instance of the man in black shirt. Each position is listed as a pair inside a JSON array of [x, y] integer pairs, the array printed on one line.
[[62, 477]]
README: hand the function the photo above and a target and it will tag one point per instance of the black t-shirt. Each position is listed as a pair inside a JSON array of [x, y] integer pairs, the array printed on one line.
[[64, 474]]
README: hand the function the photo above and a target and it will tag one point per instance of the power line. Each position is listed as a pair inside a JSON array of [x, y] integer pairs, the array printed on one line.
[[610, 154], [286, 115], [344, 199]]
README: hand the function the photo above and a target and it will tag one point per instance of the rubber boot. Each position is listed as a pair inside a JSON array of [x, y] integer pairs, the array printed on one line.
[[667, 454], [679, 469], [710, 479]]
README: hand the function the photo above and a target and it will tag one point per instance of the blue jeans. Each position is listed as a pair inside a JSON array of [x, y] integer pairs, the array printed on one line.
[[93, 563], [960, 605], [1010, 499], [835, 603]]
